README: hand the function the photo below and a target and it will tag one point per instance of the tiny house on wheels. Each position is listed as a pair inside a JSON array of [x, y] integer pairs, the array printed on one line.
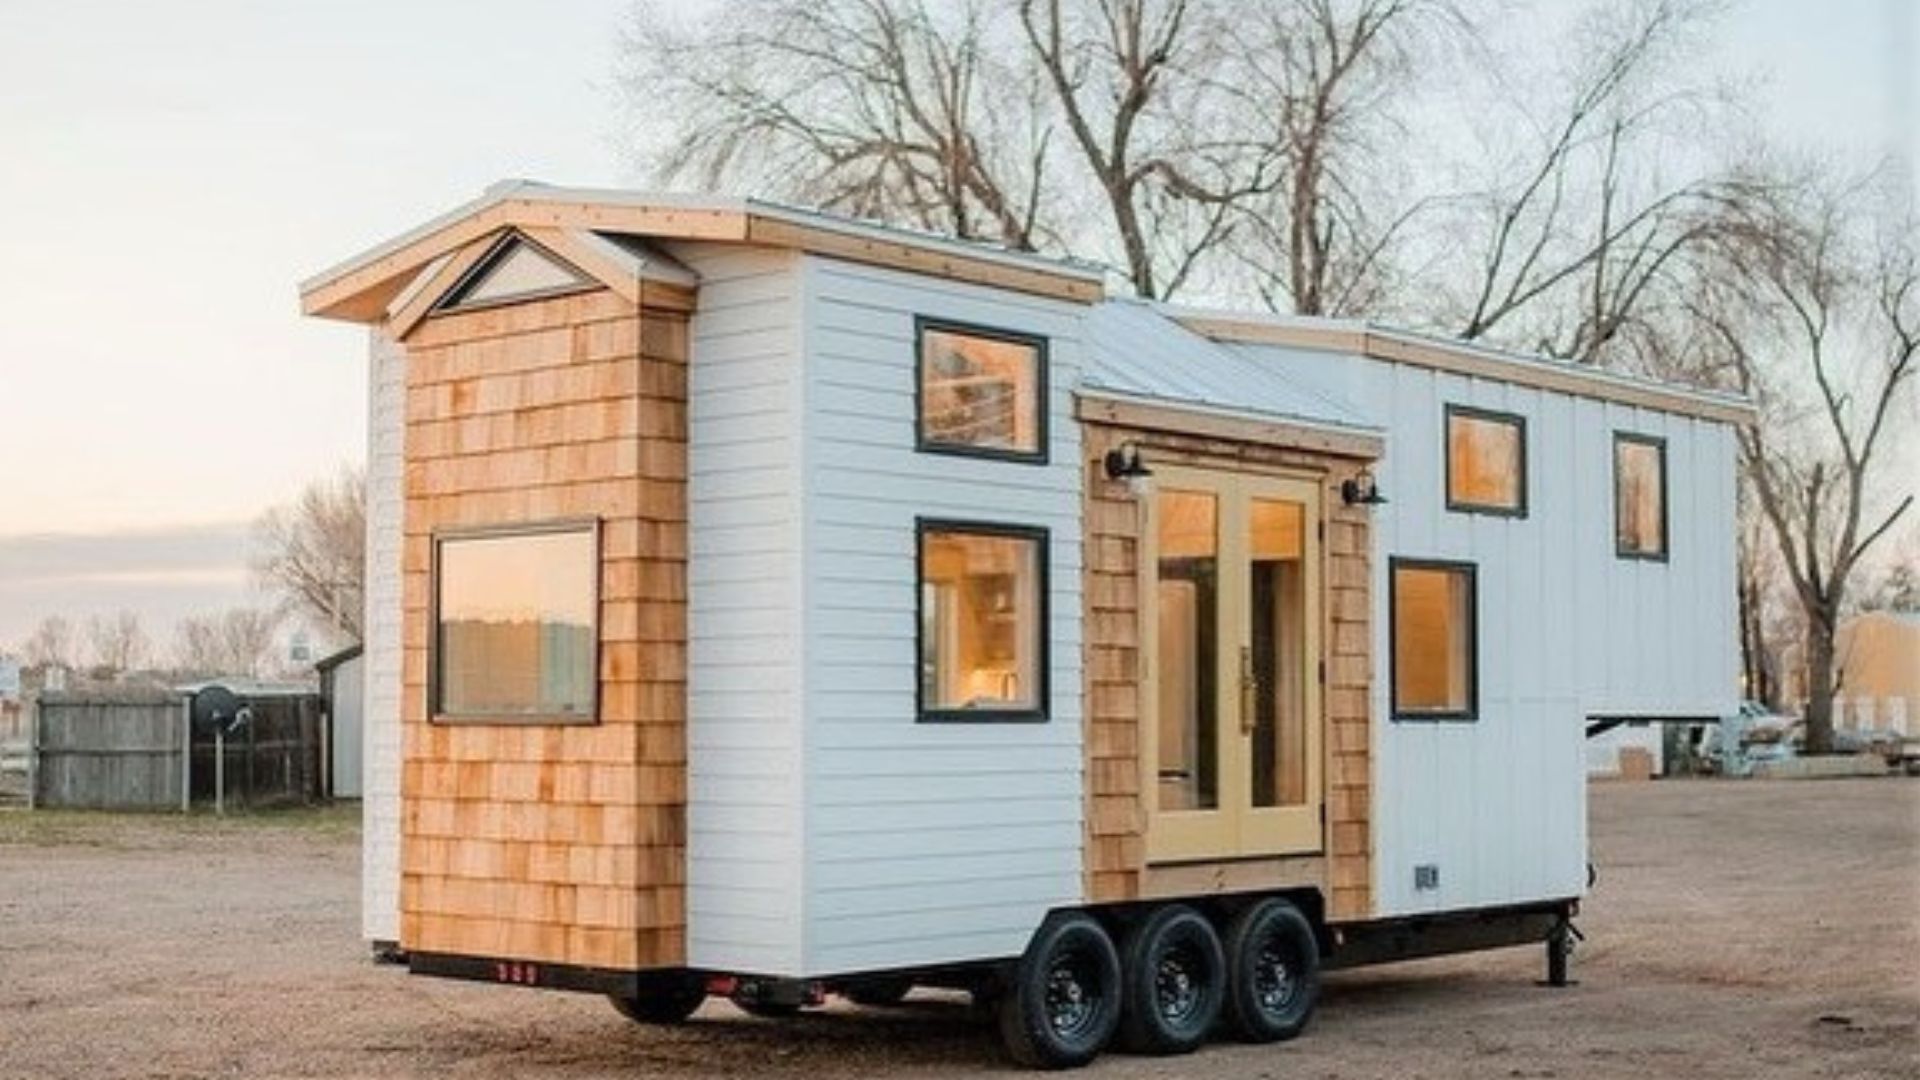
[[765, 604]]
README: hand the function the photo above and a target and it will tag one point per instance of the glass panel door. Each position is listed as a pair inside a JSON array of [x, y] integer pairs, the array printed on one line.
[[1232, 733]]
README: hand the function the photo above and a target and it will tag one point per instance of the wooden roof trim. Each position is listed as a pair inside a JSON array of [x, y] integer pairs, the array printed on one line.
[[1471, 361], [1178, 419], [362, 289], [419, 302]]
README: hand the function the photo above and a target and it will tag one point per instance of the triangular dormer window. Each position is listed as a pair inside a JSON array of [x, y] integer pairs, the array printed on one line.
[[516, 269]]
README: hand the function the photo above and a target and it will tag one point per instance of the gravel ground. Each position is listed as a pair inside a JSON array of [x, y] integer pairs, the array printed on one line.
[[1739, 930]]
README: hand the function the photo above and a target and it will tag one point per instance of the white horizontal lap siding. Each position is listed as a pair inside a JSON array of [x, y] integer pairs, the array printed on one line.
[[743, 612], [926, 843], [1567, 630], [380, 684]]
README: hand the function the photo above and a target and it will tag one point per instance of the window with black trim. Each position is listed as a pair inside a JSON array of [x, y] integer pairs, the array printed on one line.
[[1486, 461], [1434, 608], [516, 624], [981, 391], [982, 621], [1639, 496]]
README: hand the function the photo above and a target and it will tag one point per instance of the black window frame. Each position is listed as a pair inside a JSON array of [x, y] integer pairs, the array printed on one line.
[[1042, 537], [1659, 444], [1471, 713], [439, 537], [1474, 412], [454, 300], [1042, 364]]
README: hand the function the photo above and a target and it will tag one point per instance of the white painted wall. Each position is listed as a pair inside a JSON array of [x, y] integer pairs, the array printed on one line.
[[925, 843], [745, 710], [380, 710], [1567, 629]]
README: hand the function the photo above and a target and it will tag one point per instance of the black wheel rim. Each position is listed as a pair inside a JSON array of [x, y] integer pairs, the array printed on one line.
[[1179, 985], [1274, 984], [1073, 995]]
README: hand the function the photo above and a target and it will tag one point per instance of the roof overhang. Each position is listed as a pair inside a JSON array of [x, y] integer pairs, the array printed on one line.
[[366, 287], [1233, 425], [1464, 358]]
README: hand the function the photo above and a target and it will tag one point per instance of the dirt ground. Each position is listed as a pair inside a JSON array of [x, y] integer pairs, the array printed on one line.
[[1756, 929]]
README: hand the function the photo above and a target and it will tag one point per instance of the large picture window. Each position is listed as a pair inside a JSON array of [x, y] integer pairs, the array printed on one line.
[[1639, 496], [1486, 461], [516, 633], [982, 392], [1435, 640], [983, 622]]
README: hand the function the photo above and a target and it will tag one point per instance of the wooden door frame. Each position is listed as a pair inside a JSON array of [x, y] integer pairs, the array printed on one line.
[[1234, 486]]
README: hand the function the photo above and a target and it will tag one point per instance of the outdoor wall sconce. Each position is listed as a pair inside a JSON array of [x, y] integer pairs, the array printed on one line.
[[1123, 463], [1361, 491]]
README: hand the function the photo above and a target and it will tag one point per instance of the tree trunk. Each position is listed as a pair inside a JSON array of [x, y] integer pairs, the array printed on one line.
[[1820, 686]]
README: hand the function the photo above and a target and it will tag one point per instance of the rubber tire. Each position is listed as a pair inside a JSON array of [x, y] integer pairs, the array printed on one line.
[[882, 993], [1144, 1029], [1024, 1028], [1249, 1019], [662, 1005]]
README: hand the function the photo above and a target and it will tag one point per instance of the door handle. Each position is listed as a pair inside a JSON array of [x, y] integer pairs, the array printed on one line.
[[1249, 691]]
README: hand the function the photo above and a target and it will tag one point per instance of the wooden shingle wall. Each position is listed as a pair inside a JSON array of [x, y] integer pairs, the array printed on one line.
[[562, 844], [1116, 812]]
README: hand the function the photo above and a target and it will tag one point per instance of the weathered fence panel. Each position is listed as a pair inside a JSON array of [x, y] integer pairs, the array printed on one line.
[[274, 760], [115, 751]]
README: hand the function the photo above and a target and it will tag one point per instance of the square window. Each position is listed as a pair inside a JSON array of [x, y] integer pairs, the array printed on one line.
[[982, 392], [1639, 496], [1436, 659], [1486, 461], [515, 625], [983, 622]]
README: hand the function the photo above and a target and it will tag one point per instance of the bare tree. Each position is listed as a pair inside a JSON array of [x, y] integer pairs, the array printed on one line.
[[51, 644], [116, 644], [236, 642], [1822, 327], [1571, 239], [312, 553]]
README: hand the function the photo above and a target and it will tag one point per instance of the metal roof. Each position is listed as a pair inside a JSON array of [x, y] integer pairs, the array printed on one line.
[[1137, 353]]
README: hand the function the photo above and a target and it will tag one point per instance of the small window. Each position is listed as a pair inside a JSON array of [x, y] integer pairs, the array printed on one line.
[[982, 392], [516, 637], [1639, 496], [1486, 461], [983, 619], [515, 269], [1436, 659]]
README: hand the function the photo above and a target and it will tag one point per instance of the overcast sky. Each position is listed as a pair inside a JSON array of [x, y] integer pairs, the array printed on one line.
[[170, 171]]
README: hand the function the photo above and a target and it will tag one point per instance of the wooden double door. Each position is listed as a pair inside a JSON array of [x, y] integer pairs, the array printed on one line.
[[1233, 728]]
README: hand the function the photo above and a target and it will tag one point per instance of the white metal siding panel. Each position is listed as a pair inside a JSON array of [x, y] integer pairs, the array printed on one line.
[[380, 686], [345, 748], [1567, 629], [744, 839], [925, 843]]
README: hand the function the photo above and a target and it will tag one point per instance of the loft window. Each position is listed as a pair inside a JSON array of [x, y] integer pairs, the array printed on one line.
[[982, 622], [515, 626], [515, 269], [1639, 496], [1436, 656], [981, 392], [1486, 461]]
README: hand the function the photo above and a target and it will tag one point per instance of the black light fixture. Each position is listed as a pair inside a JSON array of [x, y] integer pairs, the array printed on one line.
[[1361, 491], [1123, 463]]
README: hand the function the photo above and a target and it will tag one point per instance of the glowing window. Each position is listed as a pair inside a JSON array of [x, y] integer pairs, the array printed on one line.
[[983, 614], [1639, 496], [1486, 461], [1435, 640], [982, 392]]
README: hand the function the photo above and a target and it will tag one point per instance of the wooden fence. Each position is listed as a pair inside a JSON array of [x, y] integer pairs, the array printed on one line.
[[135, 750]]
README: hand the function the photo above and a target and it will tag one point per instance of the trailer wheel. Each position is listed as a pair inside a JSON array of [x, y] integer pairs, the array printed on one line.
[[1064, 1001], [879, 993], [668, 1004], [1274, 971], [1175, 976]]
